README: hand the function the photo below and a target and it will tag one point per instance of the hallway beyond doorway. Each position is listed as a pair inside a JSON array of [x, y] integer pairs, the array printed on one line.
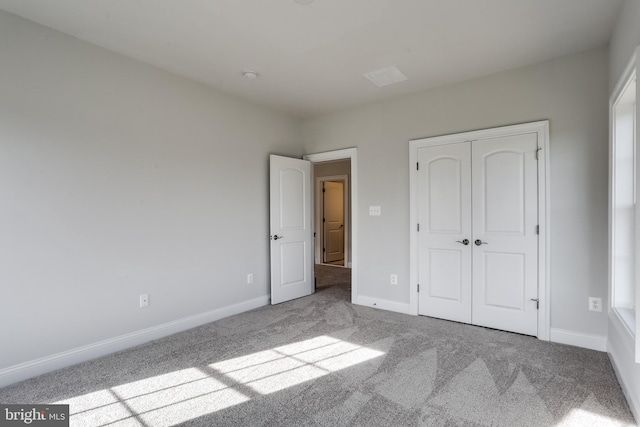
[[328, 275]]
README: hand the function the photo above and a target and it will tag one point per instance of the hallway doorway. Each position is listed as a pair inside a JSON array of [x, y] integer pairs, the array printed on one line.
[[337, 163]]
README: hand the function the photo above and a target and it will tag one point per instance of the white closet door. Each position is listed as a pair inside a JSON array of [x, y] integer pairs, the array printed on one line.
[[505, 241], [445, 222]]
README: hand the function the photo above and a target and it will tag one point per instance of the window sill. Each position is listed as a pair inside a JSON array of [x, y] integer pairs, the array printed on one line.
[[628, 317]]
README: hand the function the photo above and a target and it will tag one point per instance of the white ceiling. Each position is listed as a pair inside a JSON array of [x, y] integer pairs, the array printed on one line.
[[311, 59]]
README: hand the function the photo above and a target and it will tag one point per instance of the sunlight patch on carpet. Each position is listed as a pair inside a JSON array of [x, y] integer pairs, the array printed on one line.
[[179, 396], [592, 413], [286, 366]]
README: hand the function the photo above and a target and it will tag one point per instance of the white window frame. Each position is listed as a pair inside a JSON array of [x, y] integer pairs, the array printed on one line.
[[630, 322]]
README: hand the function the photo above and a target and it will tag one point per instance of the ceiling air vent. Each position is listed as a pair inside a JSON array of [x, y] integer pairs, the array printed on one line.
[[385, 76]]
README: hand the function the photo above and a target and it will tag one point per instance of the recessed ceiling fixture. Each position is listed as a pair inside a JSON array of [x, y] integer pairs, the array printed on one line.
[[304, 2], [249, 75], [385, 76]]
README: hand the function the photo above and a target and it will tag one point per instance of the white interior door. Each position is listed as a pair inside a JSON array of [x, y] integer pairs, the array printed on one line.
[[333, 220], [505, 217], [444, 187], [290, 228], [478, 244]]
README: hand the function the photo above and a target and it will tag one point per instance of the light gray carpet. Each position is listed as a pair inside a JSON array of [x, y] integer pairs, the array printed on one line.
[[321, 361], [329, 275]]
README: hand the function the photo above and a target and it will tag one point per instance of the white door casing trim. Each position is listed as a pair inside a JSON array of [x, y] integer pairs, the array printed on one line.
[[318, 214], [541, 128], [352, 154]]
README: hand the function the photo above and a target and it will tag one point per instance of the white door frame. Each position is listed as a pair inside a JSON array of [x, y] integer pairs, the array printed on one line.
[[319, 213], [541, 128], [348, 153]]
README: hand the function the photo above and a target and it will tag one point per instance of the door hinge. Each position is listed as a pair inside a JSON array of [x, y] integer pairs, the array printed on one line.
[[537, 229], [418, 288], [538, 153], [418, 227], [418, 166]]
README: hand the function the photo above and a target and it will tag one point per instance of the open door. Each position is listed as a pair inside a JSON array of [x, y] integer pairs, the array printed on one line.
[[333, 221], [291, 229]]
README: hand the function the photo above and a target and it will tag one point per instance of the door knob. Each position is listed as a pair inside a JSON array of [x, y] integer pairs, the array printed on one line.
[[479, 242], [276, 237], [464, 242]]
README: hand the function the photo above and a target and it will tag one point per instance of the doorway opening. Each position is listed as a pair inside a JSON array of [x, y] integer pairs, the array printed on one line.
[[332, 225], [335, 228]]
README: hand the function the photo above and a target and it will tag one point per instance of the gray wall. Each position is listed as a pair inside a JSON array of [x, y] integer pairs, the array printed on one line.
[[624, 40], [621, 343], [571, 92], [116, 179]]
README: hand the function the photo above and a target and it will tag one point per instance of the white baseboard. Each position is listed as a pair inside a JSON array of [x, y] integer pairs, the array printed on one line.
[[621, 354], [50, 363], [578, 339], [398, 307], [632, 401]]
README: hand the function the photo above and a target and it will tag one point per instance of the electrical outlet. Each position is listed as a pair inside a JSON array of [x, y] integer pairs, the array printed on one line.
[[595, 304], [375, 211], [250, 278], [144, 300], [393, 279]]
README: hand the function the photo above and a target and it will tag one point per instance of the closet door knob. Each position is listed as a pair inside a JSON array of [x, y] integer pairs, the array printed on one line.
[[464, 242], [479, 242]]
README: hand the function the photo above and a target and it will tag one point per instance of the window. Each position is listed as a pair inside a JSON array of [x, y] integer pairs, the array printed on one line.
[[623, 202]]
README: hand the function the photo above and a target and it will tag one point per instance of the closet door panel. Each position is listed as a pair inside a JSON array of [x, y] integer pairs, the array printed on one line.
[[444, 182], [504, 194]]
